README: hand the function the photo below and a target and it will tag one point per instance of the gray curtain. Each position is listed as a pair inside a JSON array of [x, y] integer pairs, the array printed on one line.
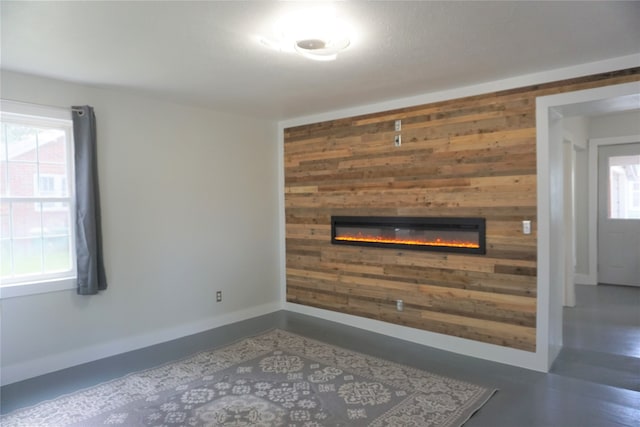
[[91, 271]]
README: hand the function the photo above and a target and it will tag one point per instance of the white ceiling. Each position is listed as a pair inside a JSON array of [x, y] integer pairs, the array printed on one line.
[[205, 53]]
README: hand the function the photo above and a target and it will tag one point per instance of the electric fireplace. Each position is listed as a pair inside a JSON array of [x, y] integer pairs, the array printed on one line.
[[461, 235]]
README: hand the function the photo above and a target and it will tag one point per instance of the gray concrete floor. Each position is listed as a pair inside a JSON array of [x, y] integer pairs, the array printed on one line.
[[604, 326]]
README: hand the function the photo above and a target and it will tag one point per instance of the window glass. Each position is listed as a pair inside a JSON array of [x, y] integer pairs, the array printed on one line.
[[36, 207], [624, 187]]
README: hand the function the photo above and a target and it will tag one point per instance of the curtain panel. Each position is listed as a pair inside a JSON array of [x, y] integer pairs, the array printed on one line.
[[89, 257]]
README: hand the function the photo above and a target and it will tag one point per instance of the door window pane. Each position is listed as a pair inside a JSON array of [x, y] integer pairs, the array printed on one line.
[[624, 187]]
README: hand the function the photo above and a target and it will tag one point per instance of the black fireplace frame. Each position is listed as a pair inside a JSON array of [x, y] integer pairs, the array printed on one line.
[[422, 223]]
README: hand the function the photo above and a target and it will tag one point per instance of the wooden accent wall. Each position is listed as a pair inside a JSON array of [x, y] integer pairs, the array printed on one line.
[[474, 156]]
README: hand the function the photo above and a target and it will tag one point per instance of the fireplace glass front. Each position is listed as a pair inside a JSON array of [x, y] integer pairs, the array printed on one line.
[[463, 235]]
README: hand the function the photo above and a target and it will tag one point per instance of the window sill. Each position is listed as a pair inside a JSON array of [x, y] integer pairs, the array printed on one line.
[[32, 288]]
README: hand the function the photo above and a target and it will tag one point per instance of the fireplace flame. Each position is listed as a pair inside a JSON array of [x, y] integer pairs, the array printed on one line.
[[436, 242]]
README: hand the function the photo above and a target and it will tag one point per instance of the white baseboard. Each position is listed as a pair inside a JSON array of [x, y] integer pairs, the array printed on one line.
[[510, 356], [51, 363]]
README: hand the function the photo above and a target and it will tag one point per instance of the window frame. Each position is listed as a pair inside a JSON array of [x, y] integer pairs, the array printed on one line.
[[38, 116]]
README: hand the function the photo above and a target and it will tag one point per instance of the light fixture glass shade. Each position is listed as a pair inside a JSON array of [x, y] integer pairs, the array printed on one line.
[[319, 49], [314, 34]]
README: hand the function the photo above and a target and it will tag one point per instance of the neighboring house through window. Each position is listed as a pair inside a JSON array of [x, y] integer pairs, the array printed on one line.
[[36, 199], [50, 185]]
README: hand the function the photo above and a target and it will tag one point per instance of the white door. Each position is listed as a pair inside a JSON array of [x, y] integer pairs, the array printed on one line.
[[619, 214]]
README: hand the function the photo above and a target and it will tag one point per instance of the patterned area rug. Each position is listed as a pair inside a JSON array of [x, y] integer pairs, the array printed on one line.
[[274, 379]]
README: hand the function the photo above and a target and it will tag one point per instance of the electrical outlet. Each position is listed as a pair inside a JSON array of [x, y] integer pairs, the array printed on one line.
[[399, 305], [526, 227], [398, 125], [398, 140], [219, 296]]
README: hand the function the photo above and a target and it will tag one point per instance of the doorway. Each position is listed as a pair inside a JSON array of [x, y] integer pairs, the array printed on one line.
[[601, 332], [552, 254]]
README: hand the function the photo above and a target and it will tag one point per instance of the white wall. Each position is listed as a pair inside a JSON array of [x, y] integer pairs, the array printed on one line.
[[190, 206], [614, 125]]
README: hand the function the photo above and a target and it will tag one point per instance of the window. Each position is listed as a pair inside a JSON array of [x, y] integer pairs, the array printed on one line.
[[624, 187], [36, 197], [50, 185]]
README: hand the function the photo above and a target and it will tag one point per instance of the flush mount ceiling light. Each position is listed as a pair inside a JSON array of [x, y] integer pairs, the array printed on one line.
[[316, 34], [321, 49]]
